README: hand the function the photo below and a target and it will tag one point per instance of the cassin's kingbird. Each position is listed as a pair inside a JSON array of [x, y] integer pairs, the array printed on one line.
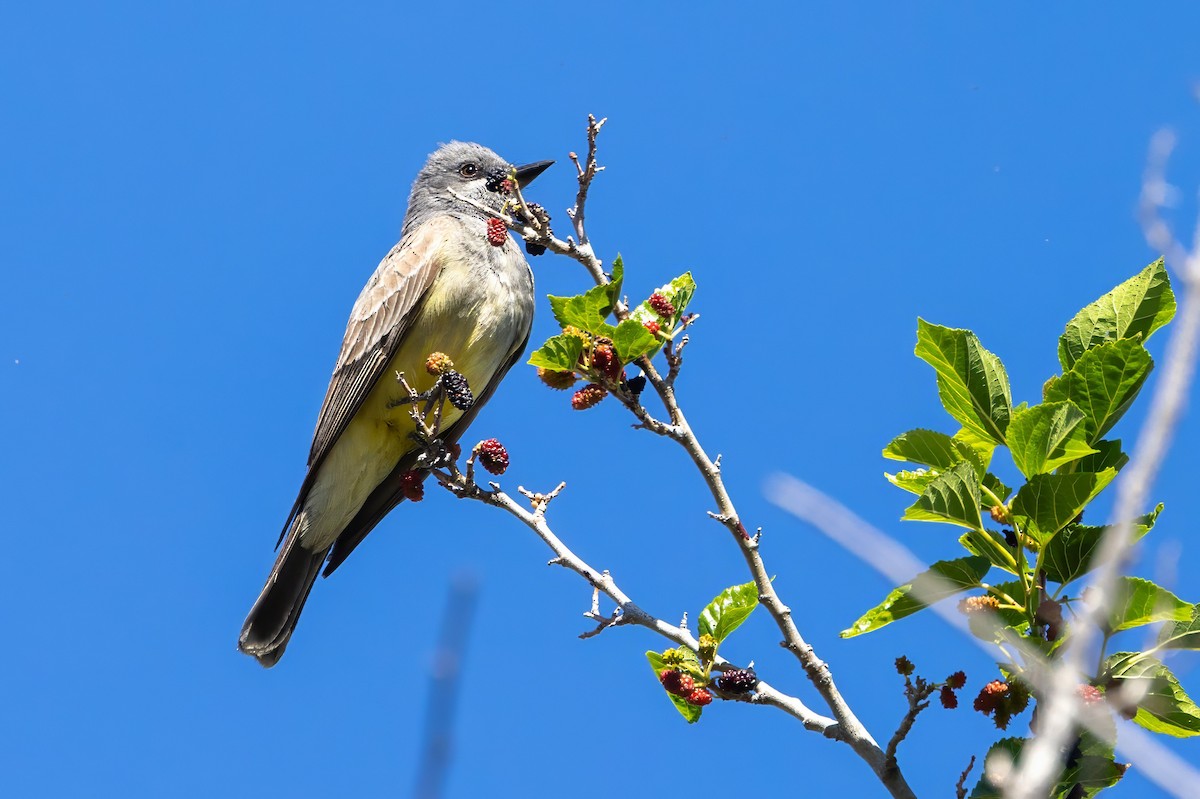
[[443, 288]]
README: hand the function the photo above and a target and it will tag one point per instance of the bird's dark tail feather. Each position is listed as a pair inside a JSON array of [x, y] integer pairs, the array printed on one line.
[[273, 618]]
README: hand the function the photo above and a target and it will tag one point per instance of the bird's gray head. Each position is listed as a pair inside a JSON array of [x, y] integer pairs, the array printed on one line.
[[469, 170]]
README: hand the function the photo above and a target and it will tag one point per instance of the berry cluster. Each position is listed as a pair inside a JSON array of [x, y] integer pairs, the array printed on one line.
[[492, 456], [1001, 701], [954, 682], [653, 327], [737, 681], [978, 604], [904, 666], [499, 181], [438, 363], [605, 361], [684, 686], [497, 232], [559, 381], [412, 487], [588, 397], [457, 390], [661, 305]]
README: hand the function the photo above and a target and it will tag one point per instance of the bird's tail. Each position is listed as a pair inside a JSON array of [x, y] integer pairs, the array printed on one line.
[[271, 621]]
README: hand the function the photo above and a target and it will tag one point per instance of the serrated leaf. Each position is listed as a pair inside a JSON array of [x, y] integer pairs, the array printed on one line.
[[953, 496], [1104, 382], [933, 449], [728, 610], [1108, 456], [1092, 770], [972, 383], [616, 280], [912, 481], [1046, 436], [560, 353], [686, 709], [991, 545], [1068, 555], [1049, 502], [1138, 602], [982, 446], [1182, 634], [682, 289], [1004, 751], [1163, 705], [996, 487], [632, 340], [588, 311], [943, 579], [1134, 309]]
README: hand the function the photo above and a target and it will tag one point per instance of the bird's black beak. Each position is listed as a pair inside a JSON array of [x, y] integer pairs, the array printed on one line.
[[526, 173]]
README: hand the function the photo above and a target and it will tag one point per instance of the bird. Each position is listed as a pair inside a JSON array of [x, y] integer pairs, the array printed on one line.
[[449, 286]]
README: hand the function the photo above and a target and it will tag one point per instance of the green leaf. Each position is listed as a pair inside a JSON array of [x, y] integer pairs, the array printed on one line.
[[680, 292], [686, 709], [616, 280], [1049, 502], [982, 446], [1093, 770], [953, 496], [1108, 456], [933, 449], [991, 545], [632, 340], [913, 481], [560, 353], [1182, 634], [728, 610], [972, 383], [1068, 555], [1006, 750], [1134, 309], [1138, 602], [996, 487], [1104, 382], [1046, 436], [943, 579], [1163, 705], [588, 311]]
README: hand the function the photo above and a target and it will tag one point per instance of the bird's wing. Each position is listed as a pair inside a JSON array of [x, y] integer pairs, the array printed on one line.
[[388, 494], [378, 322]]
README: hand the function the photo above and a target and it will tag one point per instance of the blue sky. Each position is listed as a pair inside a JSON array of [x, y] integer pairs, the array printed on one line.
[[193, 195]]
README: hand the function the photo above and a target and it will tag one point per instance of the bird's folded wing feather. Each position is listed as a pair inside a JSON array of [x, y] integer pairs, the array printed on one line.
[[378, 322]]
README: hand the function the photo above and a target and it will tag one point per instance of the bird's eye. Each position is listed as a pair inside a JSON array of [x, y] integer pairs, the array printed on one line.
[[468, 170]]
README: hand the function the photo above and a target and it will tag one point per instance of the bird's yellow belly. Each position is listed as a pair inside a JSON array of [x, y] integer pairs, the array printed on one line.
[[478, 337]]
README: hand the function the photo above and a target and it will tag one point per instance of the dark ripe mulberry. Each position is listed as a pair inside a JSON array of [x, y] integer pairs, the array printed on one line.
[[904, 666], [957, 680], [636, 385], [588, 397], [737, 681], [948, 697], [457, 390], [497, 232], [498, 181], [534, 249], [412, 487], [492, 456], [661, 305]]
